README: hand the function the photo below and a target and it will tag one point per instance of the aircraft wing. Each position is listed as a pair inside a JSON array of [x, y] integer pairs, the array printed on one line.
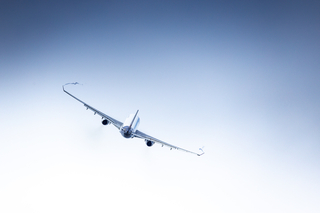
[[115, 122], [142, 135]]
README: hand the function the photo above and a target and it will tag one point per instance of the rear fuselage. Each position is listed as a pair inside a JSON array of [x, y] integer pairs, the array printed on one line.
[[130, 125]]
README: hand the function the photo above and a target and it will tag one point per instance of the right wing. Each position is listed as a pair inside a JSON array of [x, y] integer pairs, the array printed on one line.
[[142, 135], [115, 122]]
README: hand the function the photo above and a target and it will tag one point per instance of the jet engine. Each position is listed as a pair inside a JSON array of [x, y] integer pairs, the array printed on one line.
[[105, 122], [149, 143]]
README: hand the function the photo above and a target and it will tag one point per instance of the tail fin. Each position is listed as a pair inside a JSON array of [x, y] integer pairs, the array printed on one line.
[[133, 118]]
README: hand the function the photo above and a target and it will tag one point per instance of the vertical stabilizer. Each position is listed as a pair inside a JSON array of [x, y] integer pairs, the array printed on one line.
[[133, 119]]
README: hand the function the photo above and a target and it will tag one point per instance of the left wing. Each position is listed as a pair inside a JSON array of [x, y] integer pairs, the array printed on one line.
[[115, 122], [142, 135]]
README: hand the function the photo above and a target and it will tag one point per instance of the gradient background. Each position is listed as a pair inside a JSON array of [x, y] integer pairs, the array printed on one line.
[[241, 78]]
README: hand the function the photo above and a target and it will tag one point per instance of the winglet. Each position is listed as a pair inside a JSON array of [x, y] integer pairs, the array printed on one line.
[[201, 149], [75, 83]]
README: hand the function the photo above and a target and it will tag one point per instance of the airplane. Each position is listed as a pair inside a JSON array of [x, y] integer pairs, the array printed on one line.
[[128, 129]]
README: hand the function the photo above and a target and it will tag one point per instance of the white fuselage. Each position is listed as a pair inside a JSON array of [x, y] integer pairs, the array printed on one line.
[[130, 125]]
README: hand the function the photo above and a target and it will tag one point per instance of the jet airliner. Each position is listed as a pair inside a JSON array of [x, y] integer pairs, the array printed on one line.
[[128, 128]]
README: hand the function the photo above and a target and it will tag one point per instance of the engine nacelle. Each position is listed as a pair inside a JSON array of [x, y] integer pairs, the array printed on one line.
[[105, 122], [149, 143]]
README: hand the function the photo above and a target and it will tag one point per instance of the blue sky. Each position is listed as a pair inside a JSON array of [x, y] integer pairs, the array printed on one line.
[[240, 78]]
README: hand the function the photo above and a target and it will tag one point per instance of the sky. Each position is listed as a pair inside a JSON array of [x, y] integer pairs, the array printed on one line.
[[241, 78]]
